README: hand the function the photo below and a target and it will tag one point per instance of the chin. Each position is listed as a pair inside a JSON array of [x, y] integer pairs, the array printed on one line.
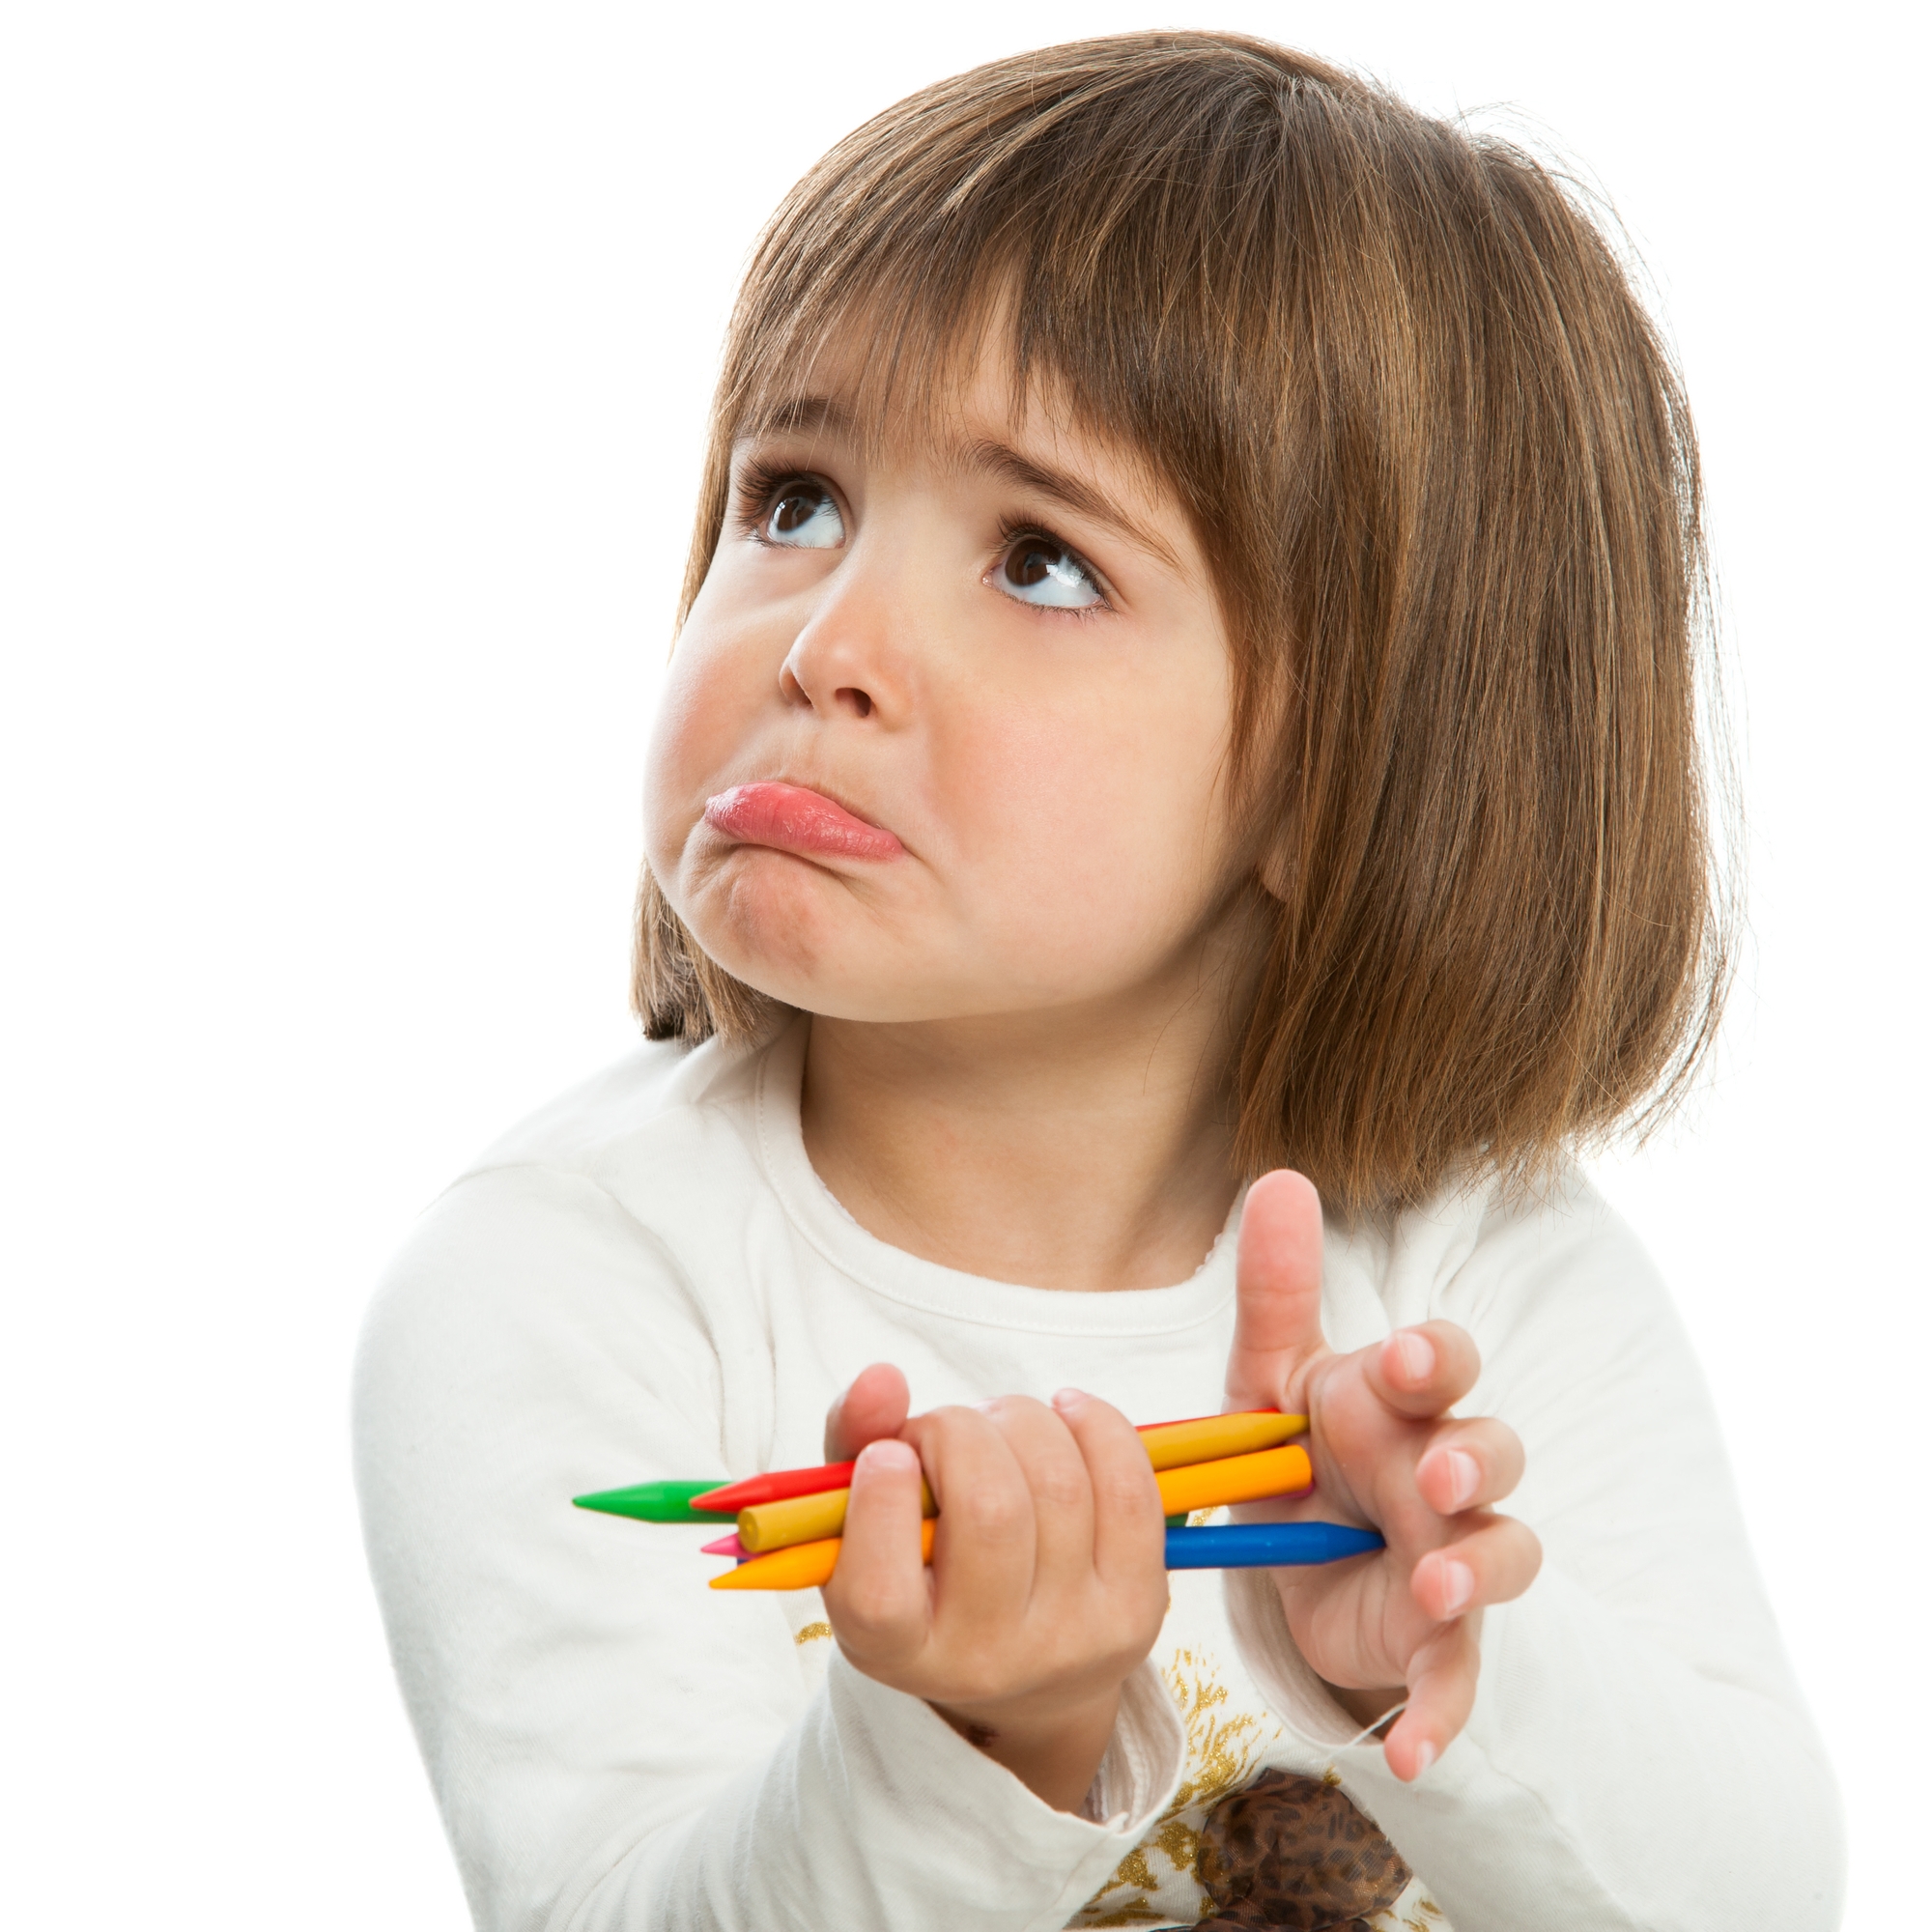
[[833, 987], [789, 929]]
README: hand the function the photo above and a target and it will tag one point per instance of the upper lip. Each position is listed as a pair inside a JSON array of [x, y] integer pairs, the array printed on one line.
[[826, 791]]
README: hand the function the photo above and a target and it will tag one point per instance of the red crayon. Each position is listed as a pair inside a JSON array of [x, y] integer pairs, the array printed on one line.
[[775, 1487]]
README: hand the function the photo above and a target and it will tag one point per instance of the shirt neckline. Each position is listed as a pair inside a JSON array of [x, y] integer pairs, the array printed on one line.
[[908, 1279]]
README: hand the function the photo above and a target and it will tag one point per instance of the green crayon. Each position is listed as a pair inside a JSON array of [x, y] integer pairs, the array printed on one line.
[[656, 1502]]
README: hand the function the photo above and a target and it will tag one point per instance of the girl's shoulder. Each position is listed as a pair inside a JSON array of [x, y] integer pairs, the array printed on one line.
[[1490, 1250], [1572, 1317], [657, 1091], [667, 1133], [647, 1173], [623, 1209]]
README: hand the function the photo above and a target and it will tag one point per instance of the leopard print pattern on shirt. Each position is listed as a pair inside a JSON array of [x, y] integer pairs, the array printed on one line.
[[1293, 1854]]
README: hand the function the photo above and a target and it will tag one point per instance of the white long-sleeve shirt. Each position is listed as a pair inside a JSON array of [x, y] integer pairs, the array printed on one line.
[[648, 1280]]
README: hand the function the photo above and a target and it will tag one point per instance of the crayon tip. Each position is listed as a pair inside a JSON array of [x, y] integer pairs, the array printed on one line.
[[651, 1502]]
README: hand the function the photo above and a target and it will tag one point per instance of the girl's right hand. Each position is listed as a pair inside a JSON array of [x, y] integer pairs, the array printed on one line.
[[1047, 1586]]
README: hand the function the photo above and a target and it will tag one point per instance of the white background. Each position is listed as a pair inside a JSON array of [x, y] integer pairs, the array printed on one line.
[[352, 362]]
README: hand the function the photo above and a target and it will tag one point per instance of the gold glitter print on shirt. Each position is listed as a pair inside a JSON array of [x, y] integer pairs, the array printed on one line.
[[1156, 1883], [1244, 1847]]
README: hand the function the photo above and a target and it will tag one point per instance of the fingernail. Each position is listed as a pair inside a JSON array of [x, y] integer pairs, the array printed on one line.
[[888, 1453], [1417, 1354], [1459, 1585], [1464, 1476], [1064, 1400], [1425, 1756]]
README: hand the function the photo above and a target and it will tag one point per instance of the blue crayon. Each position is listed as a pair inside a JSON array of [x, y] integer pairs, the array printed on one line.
[[1257, 1546]]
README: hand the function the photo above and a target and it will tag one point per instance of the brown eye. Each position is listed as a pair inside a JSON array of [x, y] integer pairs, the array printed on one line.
[[803, 516], [1037, 570]]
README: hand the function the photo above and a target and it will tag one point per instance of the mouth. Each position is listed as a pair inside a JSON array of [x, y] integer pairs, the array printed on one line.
[[789, 818]]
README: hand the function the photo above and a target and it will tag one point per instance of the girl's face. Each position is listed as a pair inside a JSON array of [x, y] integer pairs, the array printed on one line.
[[948, 728]]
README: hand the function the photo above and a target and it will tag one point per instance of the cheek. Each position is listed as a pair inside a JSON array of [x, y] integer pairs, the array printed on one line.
[[1092, 818], [707, 707]]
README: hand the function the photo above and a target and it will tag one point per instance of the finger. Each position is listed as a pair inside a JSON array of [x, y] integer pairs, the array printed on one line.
[[1469, 1465], [1441, 1692], [1128, 1530], [983, 1553], [1420, 1371], [877, 1598], [1277, 1289], [1494, 1560], [1050, 1461], [875, 1405]]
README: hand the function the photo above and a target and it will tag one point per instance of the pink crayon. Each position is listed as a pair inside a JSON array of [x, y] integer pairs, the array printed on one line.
[[726, 1546]]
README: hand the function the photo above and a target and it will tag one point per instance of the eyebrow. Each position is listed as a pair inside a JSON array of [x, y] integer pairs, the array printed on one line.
[[1002, 460], [806, 415]]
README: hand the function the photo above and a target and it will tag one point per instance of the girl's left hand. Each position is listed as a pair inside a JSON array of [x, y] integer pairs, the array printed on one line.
[[1386, 1453]]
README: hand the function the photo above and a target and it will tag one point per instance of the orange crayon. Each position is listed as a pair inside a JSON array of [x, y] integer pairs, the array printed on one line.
[[804, 1566], [1235, 1479]]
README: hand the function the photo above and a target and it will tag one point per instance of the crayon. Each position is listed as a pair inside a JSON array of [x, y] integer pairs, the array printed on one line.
[[1200, 1438], [1235, 1479], [804, 1566], [1231, 1479], [1239, 1546], [1208, 1438], [725, 1546], [1267, 1546], [776, 1485], [805, 1519], [767, 1526], [655, 1502]]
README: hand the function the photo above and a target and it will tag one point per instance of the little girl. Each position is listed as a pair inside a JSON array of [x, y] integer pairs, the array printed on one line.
[[1188, 672]]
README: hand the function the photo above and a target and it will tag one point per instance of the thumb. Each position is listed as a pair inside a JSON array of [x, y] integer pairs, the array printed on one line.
[[1277, 1290], [874, 1406]]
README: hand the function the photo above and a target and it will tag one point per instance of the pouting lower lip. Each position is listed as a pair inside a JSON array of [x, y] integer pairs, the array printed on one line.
[[790, 818]]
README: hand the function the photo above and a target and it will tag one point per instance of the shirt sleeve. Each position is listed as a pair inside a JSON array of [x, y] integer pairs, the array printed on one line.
[[611, 1744], [1638, 1754]]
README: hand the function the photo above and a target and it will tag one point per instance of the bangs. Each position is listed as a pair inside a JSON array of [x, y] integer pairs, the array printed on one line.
[[1116, 238]]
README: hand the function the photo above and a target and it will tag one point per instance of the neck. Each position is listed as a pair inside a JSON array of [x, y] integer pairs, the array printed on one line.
[[1081, 1148]]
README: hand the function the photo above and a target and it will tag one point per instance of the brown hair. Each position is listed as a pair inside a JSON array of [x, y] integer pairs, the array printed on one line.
[[1440, 464]]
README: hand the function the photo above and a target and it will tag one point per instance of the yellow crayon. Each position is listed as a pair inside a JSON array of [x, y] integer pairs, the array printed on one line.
[[1173, 1445], [767, 1526], [1230, 1479]]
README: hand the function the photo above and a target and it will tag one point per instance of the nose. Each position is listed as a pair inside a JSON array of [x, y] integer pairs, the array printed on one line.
[[844, 664]]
